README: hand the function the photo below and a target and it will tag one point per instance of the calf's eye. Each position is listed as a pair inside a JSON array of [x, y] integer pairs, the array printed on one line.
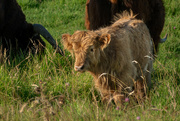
[[92, 50]]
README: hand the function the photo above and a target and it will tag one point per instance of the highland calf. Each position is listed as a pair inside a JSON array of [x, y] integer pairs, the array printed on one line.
[[100, 13], [117, 56]]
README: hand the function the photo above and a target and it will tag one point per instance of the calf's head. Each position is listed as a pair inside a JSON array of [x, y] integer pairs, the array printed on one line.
[[87, 47]]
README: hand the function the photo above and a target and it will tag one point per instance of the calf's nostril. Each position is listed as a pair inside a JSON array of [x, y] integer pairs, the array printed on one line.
[[79, 68], [82, 67]]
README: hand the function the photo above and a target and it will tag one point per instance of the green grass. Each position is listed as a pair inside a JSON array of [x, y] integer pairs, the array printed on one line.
[[49, 88]]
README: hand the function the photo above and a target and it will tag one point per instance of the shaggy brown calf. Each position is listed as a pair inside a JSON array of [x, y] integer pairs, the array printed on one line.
[[116, 56], [17, 34], [100, 13]]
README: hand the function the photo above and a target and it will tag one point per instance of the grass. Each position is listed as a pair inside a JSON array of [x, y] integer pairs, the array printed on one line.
[[49, 88]]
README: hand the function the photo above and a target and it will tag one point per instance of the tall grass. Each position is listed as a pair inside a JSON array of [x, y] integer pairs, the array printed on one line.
[[47, 87]]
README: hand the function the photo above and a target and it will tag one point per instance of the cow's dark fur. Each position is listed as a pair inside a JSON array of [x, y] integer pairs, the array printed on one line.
[[99, 13], [15, 32]]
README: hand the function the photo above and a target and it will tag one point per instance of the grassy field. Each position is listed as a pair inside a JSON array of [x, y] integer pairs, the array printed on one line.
[[49, 88]]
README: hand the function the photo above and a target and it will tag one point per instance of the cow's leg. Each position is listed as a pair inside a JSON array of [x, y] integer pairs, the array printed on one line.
[[148, 73], [2, 17], [87, 22], [119, 98], [107, 99], [156, 25], [140, 90], [143, 80]]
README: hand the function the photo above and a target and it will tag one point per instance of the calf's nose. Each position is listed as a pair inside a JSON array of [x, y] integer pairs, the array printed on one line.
[[79, 68]]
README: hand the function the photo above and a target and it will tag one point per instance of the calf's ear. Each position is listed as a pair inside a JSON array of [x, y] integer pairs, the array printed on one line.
[[67, 43], [104, 40]]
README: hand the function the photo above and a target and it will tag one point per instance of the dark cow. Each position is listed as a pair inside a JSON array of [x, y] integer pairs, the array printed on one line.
[[99, 13], [16, 34]]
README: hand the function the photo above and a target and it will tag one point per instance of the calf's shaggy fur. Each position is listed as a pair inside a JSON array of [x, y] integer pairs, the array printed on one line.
[[116, 56]]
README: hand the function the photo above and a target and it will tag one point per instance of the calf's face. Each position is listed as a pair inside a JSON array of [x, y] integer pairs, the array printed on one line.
[[86, 47]]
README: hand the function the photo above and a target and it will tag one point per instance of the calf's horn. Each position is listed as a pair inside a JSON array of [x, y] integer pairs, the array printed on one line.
[[38, 28], [164, 39]]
